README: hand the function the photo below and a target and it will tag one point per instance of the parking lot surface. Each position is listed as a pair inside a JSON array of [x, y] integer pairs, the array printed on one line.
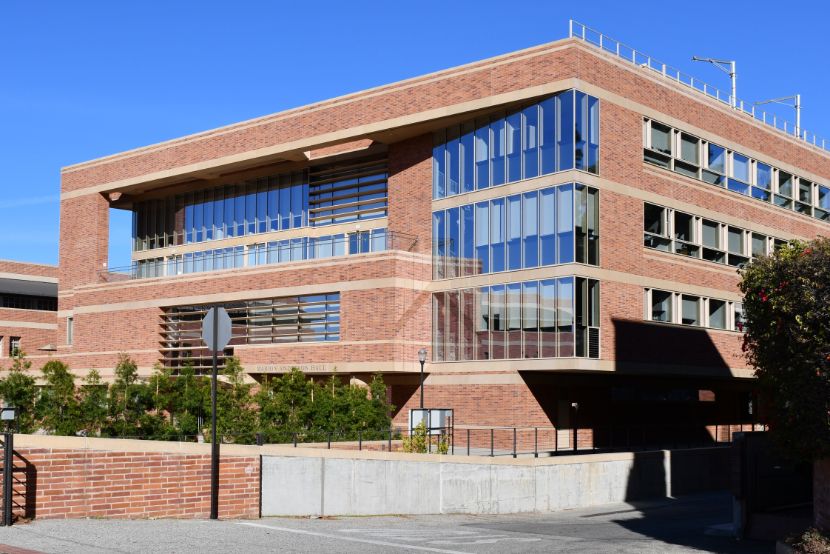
[[662, 526]]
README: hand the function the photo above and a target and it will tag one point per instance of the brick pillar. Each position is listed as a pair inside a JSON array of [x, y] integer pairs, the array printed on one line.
[[410, 190], [84, 240]]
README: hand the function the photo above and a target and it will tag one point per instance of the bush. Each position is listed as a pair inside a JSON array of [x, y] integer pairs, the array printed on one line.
[[812, 541], [420, 442]]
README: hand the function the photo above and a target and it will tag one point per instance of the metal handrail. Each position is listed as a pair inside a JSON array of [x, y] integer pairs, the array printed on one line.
[[394, 240], [631, 55]]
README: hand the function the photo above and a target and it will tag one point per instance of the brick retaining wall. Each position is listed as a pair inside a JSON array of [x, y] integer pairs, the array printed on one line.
[[68, 477]]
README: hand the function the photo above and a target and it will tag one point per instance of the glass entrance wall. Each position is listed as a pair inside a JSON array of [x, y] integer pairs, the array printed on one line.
[[557, 133]]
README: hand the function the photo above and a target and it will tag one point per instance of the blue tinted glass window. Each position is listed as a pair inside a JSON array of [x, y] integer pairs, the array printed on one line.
[[513, 146], [547, 225], [530, 141], [514, 232], [565, 315], [453, 162], [198, 218], [188, 223], [497, 234], [483, 237], [230, 229], [261, 208], [565, 130], [717, 158], [297, 205], [482, 156], [468, 240], [740, 167], [454, 241], [298, 249], [378, 240], [565, 224], [764, 176], [439, 241], [530, 229], [593, 134], [497, 151], [219, 213], [250, 209], [239, 211], [273, 208], [580, 131], [467, 158], [207, 217], [285, 205], [439, 166], [547, 140], [305, 203]]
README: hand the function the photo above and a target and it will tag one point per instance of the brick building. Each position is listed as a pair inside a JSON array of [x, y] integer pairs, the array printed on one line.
[[560, 228], [28, 310]]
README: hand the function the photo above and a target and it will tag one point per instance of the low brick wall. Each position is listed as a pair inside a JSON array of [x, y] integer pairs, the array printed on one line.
[[69, 477]]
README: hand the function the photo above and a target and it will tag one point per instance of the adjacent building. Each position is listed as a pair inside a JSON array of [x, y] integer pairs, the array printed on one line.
[[560, 227], [28, 310]]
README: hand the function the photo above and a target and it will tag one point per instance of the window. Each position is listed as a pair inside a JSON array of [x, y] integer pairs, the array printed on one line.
[[661, 306], [715, 165], [658, 144], [684, 235], [655, 227], [712, 249], [804, 204], [736, 246], [763, 182], [70, 331], [560, 132], [717, 314], [690, 310], [688, 162], [555, 225], [14, 346], [533, 319], [759, 245]]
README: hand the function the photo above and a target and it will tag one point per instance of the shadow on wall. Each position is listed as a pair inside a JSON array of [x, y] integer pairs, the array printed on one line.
[[25, 488], [659, 344]]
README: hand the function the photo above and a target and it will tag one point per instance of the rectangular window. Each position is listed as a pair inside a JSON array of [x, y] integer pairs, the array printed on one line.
[[451, 348], [468, 160], [482, 148], [661, 306], [736, 246], [468, 253], [514, 232], [467, 319], [547, 318], [655, 228], [439, 245], [453, 161], [530, 141], [483, 237], [497, 151], [565, 224], [717, 314], [547, 225], [530, 229], [530, 319], [684, 234], [716, 165], [497, 234], [547, 141], [483, 324], [565, 130], [513, 311], [513, 146], [14, 346], [565, 316], [70, 329], [689, 149], [439, 166], [660, 138], [712, 249], [759, 245], [453, 242], [690, 310]]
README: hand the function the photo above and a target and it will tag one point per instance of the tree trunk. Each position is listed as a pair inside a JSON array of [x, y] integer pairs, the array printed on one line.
[[821, 494]]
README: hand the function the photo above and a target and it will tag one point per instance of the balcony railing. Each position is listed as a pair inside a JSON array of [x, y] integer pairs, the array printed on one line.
[[635, 57], [260, 254]]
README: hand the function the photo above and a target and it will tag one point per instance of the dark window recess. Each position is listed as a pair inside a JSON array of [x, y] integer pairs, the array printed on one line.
[[26, 302]]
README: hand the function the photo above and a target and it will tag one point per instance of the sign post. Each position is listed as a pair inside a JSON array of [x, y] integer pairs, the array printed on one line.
[[216, 333]]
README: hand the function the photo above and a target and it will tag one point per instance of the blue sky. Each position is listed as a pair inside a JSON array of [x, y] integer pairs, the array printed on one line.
[[85, 79]]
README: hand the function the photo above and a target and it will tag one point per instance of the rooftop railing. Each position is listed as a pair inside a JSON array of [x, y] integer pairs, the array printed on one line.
[[644, 61]]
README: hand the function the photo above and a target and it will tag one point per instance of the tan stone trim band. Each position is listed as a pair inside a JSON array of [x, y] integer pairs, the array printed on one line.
[[26, 277], [28, 325]]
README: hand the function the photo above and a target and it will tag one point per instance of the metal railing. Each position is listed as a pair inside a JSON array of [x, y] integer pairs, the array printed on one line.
[[627, 53], [231, 257]]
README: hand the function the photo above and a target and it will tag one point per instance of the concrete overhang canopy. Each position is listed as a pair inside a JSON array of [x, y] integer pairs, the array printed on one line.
[[27, 287]]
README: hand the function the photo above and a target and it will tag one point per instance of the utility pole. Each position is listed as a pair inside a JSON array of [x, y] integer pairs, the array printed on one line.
[[728, 67]]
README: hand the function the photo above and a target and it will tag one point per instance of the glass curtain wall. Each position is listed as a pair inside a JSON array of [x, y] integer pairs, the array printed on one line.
[[321, 196], [551, 318], [555, 225], [558, 133]]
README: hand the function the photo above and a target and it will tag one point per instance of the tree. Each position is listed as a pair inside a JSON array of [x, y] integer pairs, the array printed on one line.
[[57, 406], [18, 389], [129, 400], [93, 404], [787, 341], [235, 415]]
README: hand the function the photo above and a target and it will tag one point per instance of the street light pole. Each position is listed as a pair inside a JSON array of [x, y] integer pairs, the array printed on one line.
[[422, 357]]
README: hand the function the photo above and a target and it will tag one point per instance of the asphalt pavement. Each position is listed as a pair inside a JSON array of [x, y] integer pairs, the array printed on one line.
[[660, 526]]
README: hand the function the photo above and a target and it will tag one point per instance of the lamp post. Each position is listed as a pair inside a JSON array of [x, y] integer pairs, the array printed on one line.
[[422, 357]]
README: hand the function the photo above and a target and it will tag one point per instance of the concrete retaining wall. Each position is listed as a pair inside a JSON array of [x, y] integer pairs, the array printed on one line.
[[299, 482]]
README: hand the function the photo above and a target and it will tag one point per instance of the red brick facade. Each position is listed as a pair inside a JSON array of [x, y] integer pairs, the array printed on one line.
[[386, 297], [114, 482], [35, 328]]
